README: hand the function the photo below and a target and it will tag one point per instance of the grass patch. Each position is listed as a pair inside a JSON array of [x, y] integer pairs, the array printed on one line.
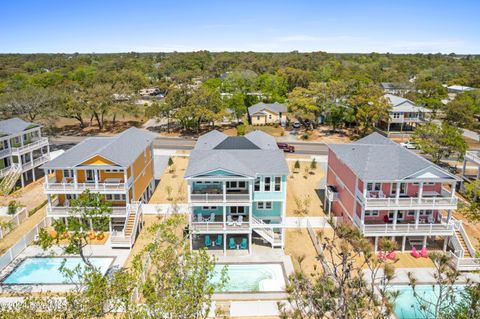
[[274, 130], [37, 208]]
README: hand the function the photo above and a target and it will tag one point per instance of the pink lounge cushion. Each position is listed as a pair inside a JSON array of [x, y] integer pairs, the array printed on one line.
[[381, 255], [415, 253], [424, 252], [391, 255]]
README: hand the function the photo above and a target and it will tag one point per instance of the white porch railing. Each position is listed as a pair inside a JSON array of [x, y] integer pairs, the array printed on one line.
[[473, 156], [121, 239], [52, 185], [30, 147], [36, 162], [445, 200], [426, 229], [54, 210], [464, 264], [14, 220]]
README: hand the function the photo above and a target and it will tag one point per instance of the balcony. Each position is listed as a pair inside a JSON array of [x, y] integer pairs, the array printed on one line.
[[36, 162], [473, 156], [57, 210], [198, 223], [216, 195], [437, 228], [33, 145], [113, 186], [429, 200]]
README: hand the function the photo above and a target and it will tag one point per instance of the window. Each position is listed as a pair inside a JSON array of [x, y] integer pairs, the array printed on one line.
[[425, 183], [237, 210], [266, 184], [278, 183], [90, 175], [258, 118], [371, 213], [411, 213], [264, 205], [68, 173], [242, 184], [270, 116], [403, 188], [257, 184], [114, 170], [209, 208], [374, 187], [391, 215], [396, 115]]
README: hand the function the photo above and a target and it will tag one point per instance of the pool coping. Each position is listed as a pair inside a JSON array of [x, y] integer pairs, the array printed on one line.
[[250, 293], [22, 260]]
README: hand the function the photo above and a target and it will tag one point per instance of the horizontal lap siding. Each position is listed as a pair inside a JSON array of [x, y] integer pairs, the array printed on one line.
[[345, 176]]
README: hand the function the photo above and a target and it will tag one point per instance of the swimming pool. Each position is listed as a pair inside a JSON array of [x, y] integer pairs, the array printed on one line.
[[251, 277], [406, 305], [45, 270]]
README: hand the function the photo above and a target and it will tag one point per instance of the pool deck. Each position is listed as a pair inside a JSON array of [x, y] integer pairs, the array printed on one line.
[[260, 254], [120, 256], [423, 276]]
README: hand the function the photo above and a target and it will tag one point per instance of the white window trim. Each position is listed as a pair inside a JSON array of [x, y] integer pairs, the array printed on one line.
[[264, 204], [281, 187], [264, 190], [372, 213]]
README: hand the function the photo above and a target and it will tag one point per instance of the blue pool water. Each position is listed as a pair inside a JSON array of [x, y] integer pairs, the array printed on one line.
[[251, 277], [406, 306], [45, 270]]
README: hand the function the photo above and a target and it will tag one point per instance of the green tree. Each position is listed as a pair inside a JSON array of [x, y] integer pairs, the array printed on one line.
[[461, 111], [236, 104], [440, 141], [88, 212], [301, 104], [30, 102]]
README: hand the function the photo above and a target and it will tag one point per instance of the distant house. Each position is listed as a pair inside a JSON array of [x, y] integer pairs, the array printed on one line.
[[150, 92], [404, 115], [459, 89], [395, 88], [267, 113]]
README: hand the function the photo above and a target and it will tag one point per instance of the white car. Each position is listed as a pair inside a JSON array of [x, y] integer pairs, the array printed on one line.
[[296, 125], [409, 145]]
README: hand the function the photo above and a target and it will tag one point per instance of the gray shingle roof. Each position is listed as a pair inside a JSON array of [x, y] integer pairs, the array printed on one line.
[[14, 126], [255, 153], [121, 149], [376, 158], [400, 104], [274, 107]]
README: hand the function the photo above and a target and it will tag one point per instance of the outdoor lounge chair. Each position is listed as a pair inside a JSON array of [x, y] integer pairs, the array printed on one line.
[[239, 220], [386, 219], [219, 240], [230, 220], [431, 220], [208, 241], [415, 253], [232, 244], [391, 255], [199, 218], [381, 255], [381, 194], [243, 244], [211, 218], [424, 252]]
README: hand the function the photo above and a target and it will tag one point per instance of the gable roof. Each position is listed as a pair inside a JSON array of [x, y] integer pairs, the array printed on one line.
[[377, 158], [249, 155], [14, 126], [273, 107], [121, 149], [400, 104]]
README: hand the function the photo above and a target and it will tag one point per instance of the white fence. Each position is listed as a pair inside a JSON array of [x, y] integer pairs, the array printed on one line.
[[13, 222], [16, 249]]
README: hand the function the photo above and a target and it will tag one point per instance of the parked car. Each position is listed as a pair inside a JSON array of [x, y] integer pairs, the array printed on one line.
[[307, 123], [286, 148], [296, 125], [409, 145]]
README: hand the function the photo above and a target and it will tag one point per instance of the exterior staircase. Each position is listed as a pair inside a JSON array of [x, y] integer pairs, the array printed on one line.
[[126, 238], [266, 232], [461, 240], [11, 176]]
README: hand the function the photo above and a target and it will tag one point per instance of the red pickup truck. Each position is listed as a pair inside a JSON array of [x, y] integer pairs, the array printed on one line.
[[286, 148]]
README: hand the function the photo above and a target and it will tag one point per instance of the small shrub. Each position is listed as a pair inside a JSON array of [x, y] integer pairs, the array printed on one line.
[[305, 136], [12, 207], [170, 161], [313, 165], [168, 190], [241, 129], [296, 166]]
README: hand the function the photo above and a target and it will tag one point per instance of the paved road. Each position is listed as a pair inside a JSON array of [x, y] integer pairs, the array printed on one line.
[[175, 143]]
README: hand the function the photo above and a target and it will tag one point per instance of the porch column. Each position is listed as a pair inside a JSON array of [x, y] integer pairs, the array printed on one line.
[[395, 215], [464, 166], [449, 216], [329, 209], [95, 175], [424, 241], [49, 199], [362, 217], [189, 190], [445, 242], [224, 186], [110, 226], [417, 218], [478, 173], [453, 187], [90, 223], [250, 243], [75, 178], [365, 189], [45, 171], [376, 243], [191, 240], [22, 180], [224, 244], [397, 193], [420, 192], [404, 239], [33, 174], [125, 176], [224, 216], [250, 190]]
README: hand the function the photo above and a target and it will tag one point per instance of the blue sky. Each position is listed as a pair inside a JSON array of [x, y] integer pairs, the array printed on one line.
[[400, 26]]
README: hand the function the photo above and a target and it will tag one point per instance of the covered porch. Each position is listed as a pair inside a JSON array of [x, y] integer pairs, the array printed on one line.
[[226, 244], [406, 243]]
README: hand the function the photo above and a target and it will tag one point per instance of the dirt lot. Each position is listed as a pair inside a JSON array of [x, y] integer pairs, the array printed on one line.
[[173, 181], [299, 245], [324, 134], [30, 196], [303, 185]]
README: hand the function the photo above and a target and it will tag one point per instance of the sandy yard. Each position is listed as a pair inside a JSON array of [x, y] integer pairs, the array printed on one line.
[[302, 186], [323, 134], [30, 196], [299, 245], [173, 182], [11, 238]]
